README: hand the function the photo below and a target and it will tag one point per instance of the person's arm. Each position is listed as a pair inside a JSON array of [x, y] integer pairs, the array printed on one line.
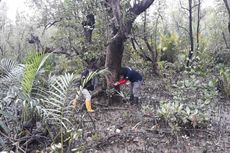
[[123, 81]]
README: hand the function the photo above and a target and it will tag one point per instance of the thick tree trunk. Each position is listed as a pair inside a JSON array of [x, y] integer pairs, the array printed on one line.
[[115, 47], [113, 63], [113, 58]]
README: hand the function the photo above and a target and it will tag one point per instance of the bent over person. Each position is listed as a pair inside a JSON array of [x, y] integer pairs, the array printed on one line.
[[87, 87], [129, 74]]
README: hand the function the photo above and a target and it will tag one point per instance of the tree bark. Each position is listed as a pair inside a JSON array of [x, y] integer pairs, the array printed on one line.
[[115, 46], [190, 34], [1, 49], [88, 26], [225, 40], [228, 10], [198, 26]]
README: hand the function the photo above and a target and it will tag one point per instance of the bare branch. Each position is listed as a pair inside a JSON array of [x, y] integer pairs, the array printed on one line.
[[50, 24], [186, 30], [196, 5], [131, 15], [183, 7], [225, 40], [227, 7], [142, 53], [140, 7], [2, 52]]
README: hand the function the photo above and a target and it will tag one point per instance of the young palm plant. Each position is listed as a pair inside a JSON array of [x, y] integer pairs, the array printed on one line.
[[17, 81], [30, 83], [47, 101]]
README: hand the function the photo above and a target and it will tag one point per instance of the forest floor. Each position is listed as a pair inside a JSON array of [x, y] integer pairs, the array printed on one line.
[[122, 128]]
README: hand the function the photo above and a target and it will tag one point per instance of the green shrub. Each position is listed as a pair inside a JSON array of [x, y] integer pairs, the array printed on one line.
[[168, 47], [224, 80], [223, 57], [190, 106]]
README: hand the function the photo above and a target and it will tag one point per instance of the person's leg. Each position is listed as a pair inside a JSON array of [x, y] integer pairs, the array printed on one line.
[[87, 96], [136, 91], [131, 92]]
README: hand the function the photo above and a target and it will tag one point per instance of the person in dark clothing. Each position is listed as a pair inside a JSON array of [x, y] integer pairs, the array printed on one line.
[[87, 86], [129, 74]]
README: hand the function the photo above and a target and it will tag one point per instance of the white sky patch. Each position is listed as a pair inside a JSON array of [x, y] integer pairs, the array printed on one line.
[[20, 5], [14, 6], [208, 3]]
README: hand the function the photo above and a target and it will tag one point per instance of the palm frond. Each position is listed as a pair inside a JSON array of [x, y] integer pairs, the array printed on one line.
[[11, 72], [6, 65], [103, 72], [88, 78], [57, 104], [92, 74], [32, 67]]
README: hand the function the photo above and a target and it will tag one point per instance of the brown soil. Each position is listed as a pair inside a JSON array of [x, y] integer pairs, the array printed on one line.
[[124, 128]]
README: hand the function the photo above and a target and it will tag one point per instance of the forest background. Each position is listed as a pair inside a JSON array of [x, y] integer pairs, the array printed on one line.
[[181, 47]]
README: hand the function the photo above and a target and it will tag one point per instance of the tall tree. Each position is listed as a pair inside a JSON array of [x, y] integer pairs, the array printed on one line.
[[198, 25], [228, 10], [122, 24], [190, 34], [223, 34], [190, 11]]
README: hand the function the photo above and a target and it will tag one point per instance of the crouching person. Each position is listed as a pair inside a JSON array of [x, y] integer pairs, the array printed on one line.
[[88, 84], [129, 74]]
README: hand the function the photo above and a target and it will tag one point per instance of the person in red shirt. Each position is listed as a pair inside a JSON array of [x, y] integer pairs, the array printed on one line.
[[129, 74]]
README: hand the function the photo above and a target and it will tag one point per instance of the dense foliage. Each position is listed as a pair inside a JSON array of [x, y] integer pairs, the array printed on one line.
[[38, 88]]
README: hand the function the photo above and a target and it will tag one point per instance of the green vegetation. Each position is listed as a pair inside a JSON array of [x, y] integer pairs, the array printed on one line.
[[43, 54]]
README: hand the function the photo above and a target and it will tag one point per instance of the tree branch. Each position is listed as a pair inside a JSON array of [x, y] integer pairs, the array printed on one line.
[[132, 14], [2, 52], [225, 40], [50, 24], [183, 7], [228, 9], [140, 7], [143, 54], [186, 30]]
